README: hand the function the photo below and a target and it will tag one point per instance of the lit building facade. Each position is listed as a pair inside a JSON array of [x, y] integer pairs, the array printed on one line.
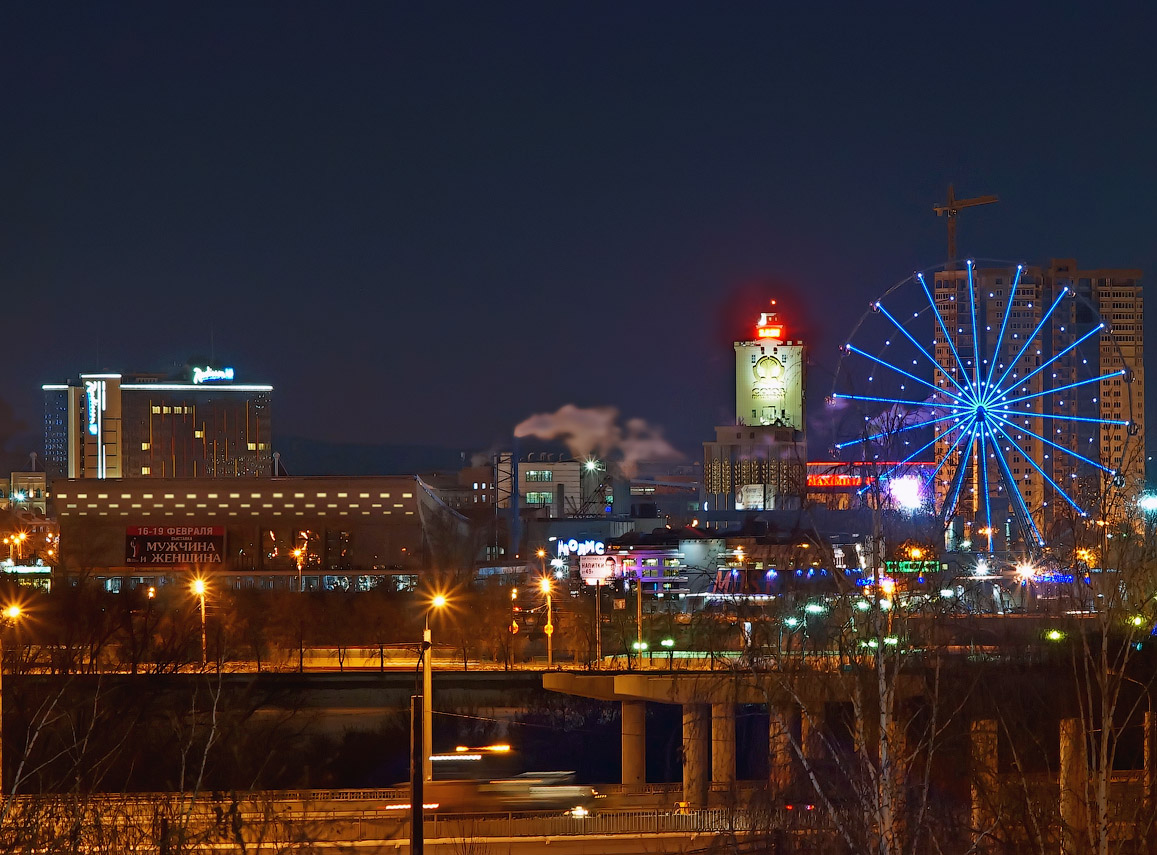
[[347, 533], [1112, 296], [552, 485], [759, 463], [202, 425]]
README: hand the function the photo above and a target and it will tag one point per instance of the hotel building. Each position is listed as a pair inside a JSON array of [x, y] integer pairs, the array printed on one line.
[[200, 425]]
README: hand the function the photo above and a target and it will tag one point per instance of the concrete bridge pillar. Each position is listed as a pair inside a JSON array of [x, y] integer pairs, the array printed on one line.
[[1074, 776], [723, 745], [696, 743], [984, 781], [634, 724], [779, 760]]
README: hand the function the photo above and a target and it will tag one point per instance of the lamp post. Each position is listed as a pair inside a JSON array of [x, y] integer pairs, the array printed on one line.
[[199, 590], [513, 625], [544, 584], [299, 554], [437, 602], [11, 615]]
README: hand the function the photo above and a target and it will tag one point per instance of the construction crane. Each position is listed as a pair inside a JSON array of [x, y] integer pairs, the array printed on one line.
[[952, 207]]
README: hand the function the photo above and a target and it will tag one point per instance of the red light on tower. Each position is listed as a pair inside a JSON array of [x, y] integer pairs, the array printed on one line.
[[769, 325]]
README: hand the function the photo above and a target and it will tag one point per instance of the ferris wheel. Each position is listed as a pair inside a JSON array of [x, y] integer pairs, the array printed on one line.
[[990, 394]]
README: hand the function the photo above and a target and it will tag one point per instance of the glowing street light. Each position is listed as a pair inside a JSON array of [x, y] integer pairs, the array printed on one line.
[[545, 587], [299, 554], [199, 591], [12, 614], [438, 601]]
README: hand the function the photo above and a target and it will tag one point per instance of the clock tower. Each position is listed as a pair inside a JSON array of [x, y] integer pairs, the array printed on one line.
[[760, 461]]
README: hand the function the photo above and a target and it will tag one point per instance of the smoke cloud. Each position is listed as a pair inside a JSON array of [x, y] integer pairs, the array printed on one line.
[[596, 431]]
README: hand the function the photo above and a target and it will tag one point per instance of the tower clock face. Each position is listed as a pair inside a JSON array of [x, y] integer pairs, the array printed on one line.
[[768, 368]]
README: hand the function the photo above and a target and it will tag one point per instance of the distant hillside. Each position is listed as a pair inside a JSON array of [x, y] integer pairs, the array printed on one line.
[[302, 456]]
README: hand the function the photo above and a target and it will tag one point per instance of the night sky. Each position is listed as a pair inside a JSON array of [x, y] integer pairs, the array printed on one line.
[[424, 222]]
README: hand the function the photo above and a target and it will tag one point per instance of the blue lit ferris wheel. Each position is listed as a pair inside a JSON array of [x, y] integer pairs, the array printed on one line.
[[986, 393]]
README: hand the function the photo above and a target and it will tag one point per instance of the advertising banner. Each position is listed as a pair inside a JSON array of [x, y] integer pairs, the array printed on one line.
[[174, 544], [600, 569]]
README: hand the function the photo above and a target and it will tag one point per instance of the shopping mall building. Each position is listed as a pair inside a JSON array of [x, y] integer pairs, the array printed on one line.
[[311, 533]]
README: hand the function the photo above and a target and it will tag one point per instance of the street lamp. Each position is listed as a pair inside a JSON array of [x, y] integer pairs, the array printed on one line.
[[513, 624], [437, 602], [11, 614], [544, 585], [299, 554], [199, 590]]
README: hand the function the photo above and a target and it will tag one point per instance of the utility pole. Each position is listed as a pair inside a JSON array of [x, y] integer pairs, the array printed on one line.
[[951, 208]]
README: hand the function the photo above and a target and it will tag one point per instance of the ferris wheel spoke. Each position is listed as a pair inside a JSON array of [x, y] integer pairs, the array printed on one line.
[[1033, 414], [1013, 490], [975, 337], [1008, 402], [923, 403], [943, 326], [936, 365], [890, 433], [1003, 325], [931, 479], [853, 349], [1044, 474], [958, 475], [912, 456], [1057, 446], [984, 483], [1094, 331], [1027, 342]]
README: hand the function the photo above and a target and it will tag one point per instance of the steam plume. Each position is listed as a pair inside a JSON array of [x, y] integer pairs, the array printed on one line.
[[596, 431]]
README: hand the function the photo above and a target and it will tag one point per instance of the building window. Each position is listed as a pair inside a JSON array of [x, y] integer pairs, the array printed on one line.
[[539, 498], [146, 470], [539, 475], [144, 446]]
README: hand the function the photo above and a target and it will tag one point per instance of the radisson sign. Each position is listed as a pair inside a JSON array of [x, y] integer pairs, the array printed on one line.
[[212, 375]]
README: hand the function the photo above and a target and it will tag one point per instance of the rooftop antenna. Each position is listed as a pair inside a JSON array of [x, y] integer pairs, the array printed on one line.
[[951, 208]]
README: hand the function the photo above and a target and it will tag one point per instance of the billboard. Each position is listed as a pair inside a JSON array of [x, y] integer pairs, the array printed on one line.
[[600, 569], [174, 544]]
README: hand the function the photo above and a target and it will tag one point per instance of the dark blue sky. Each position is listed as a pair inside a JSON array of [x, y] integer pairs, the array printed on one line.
[[424, 222]]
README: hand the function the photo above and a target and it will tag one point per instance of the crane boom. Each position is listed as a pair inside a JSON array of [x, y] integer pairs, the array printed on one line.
[[951, 208]]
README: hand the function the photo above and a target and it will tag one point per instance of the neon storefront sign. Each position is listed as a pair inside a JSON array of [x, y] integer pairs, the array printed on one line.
[[580, 547]]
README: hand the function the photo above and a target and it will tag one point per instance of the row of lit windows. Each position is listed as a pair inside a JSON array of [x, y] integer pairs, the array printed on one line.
[[320, 495], [229, 513], [226, 505]]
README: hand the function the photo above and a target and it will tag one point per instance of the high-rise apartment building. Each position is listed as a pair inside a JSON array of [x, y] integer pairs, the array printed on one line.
[[200, 425], [1064, 404]]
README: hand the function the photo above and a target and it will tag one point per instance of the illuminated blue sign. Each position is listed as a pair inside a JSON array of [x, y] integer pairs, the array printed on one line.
[[580, 547], [212, 375], [94, 390]]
